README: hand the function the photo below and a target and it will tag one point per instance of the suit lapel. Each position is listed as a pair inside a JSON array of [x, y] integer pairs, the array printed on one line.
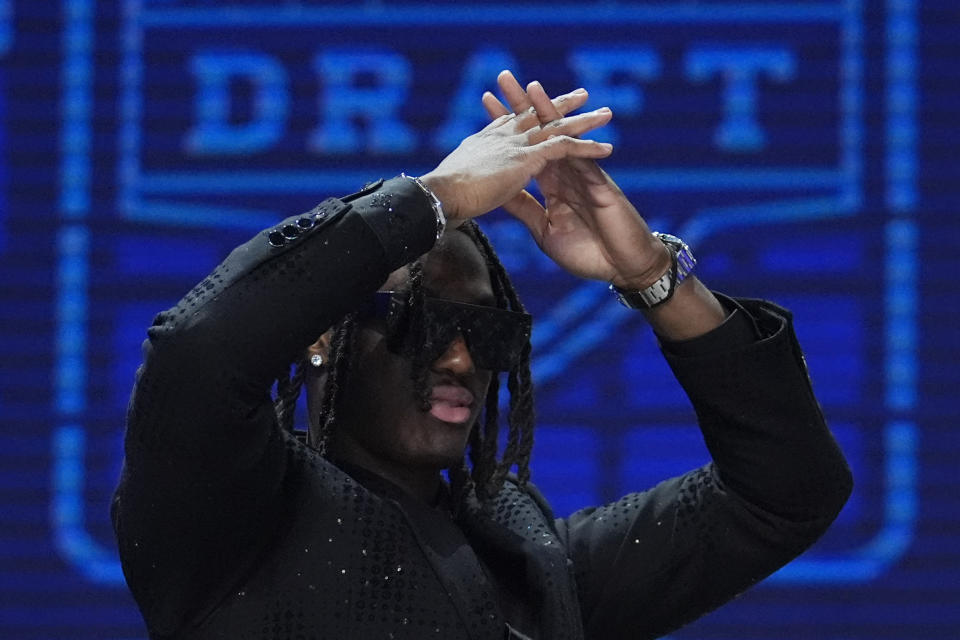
[[457, 567], [517, 534]]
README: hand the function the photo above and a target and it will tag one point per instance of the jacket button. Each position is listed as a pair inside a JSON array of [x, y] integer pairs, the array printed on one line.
[[276, 239], [290, 231]]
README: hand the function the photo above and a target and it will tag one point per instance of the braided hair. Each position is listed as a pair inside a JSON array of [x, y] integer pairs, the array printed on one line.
[[485, 474]]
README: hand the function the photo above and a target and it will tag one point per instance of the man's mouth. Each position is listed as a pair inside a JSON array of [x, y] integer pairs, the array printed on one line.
[[451, 403]]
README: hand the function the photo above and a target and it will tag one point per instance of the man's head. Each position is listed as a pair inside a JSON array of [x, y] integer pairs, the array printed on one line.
[[410, 380]]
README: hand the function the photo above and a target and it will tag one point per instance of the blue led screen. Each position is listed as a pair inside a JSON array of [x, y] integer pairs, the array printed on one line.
[[804, 149]]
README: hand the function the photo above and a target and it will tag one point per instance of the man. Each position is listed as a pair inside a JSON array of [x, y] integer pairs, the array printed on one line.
[[230, 527]]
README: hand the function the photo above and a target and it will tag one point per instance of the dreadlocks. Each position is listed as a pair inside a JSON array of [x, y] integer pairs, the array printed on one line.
[[485, 475]]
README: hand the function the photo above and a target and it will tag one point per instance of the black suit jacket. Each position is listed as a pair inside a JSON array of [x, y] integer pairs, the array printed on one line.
[[230, 528]]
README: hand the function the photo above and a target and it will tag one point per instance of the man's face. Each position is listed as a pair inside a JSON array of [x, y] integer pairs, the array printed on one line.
[[379, 412]]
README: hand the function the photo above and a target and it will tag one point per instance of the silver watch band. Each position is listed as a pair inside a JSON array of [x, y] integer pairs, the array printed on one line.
[[681, 264]]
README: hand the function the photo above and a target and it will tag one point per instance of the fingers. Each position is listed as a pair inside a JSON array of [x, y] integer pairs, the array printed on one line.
[[570, 102], [521, 104], [559, 107], [494, 107], [515, 95], [530, 118], [560, 147], [542, 104], [571, 125]]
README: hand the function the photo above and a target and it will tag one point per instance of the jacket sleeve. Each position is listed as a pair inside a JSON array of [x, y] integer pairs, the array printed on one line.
[[204, 456], [653, 561]]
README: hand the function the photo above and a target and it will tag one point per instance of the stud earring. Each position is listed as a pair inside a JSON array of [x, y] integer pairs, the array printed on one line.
[[316, 360]]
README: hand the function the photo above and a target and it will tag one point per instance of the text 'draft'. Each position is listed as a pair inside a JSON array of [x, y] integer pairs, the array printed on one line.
[[699, 106]]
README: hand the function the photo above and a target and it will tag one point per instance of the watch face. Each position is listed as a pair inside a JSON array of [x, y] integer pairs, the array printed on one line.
[[670, 238]]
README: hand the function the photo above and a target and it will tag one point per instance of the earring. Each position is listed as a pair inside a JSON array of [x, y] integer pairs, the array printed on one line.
[[316, 360]]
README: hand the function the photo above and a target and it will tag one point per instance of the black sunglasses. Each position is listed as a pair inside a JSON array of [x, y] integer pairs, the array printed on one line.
[[495, 337]]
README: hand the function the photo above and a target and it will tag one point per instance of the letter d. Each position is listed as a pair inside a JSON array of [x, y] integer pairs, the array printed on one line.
[[213, 132]]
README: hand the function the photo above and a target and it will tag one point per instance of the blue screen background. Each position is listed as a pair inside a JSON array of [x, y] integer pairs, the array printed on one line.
[[806, 150]]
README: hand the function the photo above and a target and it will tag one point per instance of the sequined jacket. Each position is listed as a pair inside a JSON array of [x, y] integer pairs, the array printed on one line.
[[229, 528]]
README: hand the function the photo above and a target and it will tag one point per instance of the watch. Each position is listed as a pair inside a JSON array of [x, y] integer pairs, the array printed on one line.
[[681, 264]]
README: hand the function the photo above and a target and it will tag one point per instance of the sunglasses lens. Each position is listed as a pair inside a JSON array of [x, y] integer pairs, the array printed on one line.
[[495, 337]]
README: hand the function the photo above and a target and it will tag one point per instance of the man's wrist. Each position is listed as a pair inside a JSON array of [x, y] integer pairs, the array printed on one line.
[[691, 312], [663, 287], [445, 191], [435, 204], [658, 266]]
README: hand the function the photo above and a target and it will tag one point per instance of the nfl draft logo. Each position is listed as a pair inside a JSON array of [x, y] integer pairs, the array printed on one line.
[[740, 127]]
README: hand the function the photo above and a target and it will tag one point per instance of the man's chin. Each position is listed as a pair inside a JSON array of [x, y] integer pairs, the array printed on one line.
[[440, 455], [440, 459], [440, 444]]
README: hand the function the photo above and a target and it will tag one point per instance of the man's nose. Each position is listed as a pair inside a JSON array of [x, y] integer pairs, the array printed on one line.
[[456, 359]]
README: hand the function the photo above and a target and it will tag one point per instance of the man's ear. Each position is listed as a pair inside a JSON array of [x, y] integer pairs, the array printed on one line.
[[320, 348], [316, 378]]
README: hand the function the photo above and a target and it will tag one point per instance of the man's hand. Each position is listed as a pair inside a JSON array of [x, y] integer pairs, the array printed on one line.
[[588, 226], [494, 165]]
